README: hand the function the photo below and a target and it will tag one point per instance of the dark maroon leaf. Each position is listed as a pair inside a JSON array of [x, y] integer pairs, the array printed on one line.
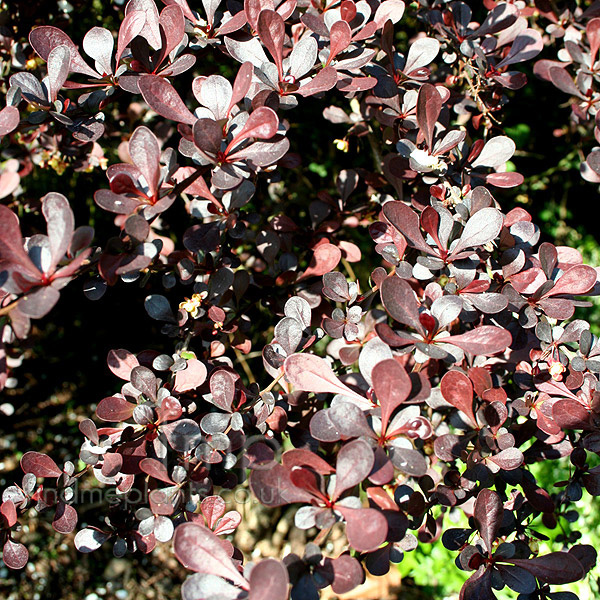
[[488, 513], [554, 568], [40, 465], [429, 106], [65, 518], [14, 555], [162, 97]]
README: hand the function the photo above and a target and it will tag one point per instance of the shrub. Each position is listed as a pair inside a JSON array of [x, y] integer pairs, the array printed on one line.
[[433, 381]]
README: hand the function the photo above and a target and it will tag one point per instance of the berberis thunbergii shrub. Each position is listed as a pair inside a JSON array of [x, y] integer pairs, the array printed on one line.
[[432, 385]]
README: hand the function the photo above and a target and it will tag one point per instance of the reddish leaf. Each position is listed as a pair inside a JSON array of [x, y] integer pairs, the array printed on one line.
[[366, 528], [121, 362], [324, 80], [401, 303], [269, 581], [9, 119], [190, 378], [199, 549], [271, 30], [429, 106], [228, 523], [354, 463], [457, 389], [311, 373], [555, 568], [579, 279], [483, 341], [44, 39], [65, 518], [14, 555], [162, 97], [212, 509], [40, 465], [325, 258], [392, 386], [156, 469], [272, 485], [488, 513], [114, 409]]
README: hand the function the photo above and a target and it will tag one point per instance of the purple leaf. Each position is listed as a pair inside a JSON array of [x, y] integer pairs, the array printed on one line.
[[200, 550], [269, 581], [41, 465], [58, 70], [39, 302], [354, 463], [65, 518], [555, 568], [162, 98], [509, 459], [421, 52], [98, 44], [579, 279], [478, 586], [324, 80], [12, 253], [90, 539], [116, 203], [406, 221], [150, 30], [271, 30], [14, 555], [392, 386], [213, 508], [172, 27], [262, 124], [114, 409], [271, 484], [488, 514], [457, 389], [61, 223], [190, 378], [495, 153], [208, 135], [131, 26], [9, 119], [155, 469], [44, 39], [144, 151], [183, 435], [484, 341], [222, 388], [429, 106], [366, 528], [526, 46], [311, 373], [570, 414], [325, 258], [401, 302], [121, 362], [483, 227]]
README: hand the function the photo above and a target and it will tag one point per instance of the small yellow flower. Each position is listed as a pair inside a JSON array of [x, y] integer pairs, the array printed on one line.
[[342, 145], [192, 305], [556, 370]]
